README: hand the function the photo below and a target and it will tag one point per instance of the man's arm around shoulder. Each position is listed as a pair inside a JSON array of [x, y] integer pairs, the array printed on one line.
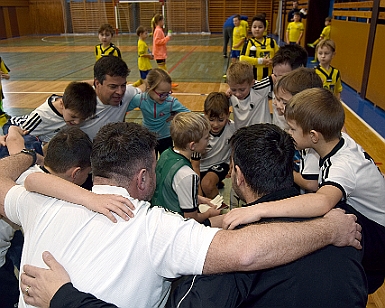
[[11, 167], [261, 246]]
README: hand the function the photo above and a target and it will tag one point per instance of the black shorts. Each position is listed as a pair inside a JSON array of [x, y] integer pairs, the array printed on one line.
[[220, 170]]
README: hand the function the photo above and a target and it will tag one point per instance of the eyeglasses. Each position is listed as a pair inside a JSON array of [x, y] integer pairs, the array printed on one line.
[[163, 95]]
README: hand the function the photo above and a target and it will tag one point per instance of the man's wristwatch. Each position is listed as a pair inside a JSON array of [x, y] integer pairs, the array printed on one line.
[[32, 153]]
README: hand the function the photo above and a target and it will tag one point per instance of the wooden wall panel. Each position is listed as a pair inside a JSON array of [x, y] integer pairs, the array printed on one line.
[[147, 11], [24, 21], [186, 16], [220, 10], [350, 53], [46, 16], [376, 90], [87, 17]]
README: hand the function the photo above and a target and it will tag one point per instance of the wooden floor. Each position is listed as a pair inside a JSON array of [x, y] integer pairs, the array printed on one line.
[[41, 66]]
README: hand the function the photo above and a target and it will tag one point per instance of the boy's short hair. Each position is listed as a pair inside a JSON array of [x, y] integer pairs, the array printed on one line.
[[268, 166], [80, 97], [328, 19], [298, 80], [107, 28], [188, 127], [112, 66], [140, 30], [296, 13], [216, 104], [294, 55], [240, 72], [156, 76], [261, 18], [70, 147], [326, 43], [317, 109], [237, 16]]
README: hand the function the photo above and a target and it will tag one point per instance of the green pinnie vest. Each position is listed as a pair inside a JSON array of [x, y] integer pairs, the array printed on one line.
[[168, 164]]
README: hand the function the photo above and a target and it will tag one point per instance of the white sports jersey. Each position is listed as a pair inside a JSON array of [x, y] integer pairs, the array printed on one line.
[[6, 230], [185, 184], [126, 263], [218, 148], [254, 109], [309, 165], [108, 114], [44, 122], [349, 168]]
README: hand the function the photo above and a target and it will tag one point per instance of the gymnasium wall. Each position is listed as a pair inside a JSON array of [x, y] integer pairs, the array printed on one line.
[[351, 31], [351, 42], [376, 90]]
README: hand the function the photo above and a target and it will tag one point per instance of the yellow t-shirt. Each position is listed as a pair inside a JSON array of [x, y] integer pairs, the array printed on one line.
[[239, 33], [111, 50], [326, 33], [144, 63], [295, 29], [331, 78]]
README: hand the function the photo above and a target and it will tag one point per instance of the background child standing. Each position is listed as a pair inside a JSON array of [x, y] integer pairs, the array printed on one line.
[[106, 48], [325, 35], [144, 53], [159, 43], [239, 37], [331, 77], [259, 49], [295, 30], [158, 107], [4, 70]]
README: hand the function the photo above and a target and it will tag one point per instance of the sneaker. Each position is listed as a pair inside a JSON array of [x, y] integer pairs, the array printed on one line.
[[310, 45], [224, 76], [224, 56], [174, 85]]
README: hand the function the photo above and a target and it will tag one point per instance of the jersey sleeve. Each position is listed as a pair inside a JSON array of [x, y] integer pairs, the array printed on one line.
[[185, 184], [135, 102], [340, 175]]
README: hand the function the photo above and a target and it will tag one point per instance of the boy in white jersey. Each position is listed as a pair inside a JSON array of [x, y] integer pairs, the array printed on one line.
[[249, 99], [306, 177], [77, 104], [347, 173], [214, 163]]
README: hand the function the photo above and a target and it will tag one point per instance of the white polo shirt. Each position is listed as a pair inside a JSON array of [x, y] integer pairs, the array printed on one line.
[[125, 263]]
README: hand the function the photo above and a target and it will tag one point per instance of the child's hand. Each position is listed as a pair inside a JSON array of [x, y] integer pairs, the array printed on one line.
[[105, 204], [267, 61], [228, 93], [213, 212], [240, 216]]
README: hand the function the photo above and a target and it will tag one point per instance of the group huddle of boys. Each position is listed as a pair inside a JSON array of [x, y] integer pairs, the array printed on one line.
[[338, 166]]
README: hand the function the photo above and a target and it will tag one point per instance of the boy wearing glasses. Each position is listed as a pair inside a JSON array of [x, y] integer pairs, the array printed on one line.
[[158, 107]]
